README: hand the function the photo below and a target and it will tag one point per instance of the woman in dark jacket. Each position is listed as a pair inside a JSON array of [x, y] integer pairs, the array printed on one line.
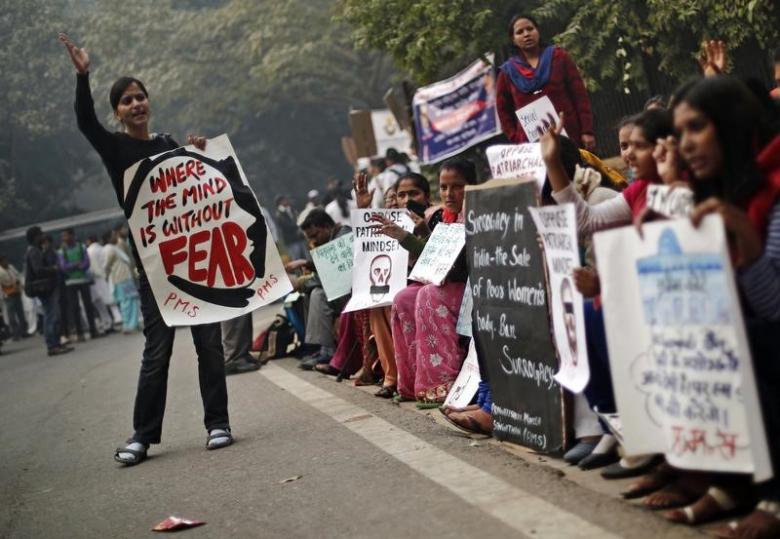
[[130, 103]]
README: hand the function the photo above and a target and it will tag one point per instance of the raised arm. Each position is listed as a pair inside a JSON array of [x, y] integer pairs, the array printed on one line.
[[590, 219], [86, 118]]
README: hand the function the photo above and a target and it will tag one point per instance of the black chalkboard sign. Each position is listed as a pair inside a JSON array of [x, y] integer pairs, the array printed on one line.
[[506, 273]]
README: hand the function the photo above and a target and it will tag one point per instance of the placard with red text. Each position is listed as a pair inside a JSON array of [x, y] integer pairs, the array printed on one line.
[[202, 239], [678, 350]]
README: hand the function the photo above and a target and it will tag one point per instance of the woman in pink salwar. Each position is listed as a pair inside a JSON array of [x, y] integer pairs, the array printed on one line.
[[428, 353]]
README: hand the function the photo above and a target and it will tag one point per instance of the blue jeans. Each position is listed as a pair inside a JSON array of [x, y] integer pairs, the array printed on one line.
[[51, 318]]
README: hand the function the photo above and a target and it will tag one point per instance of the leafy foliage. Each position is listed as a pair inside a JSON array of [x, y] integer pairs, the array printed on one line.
[[278, 77], [426, 37]]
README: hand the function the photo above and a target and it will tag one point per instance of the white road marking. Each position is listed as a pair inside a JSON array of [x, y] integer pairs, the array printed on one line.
[[513, 506]]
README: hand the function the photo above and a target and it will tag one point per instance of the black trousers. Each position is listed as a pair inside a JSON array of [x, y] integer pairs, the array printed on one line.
[[153, 379], [73, 320]]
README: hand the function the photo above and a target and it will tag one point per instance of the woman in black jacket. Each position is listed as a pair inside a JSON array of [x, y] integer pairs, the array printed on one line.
[[130, 102]]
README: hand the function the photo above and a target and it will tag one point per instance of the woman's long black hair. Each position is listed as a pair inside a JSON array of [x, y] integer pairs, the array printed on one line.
[[741, 128]]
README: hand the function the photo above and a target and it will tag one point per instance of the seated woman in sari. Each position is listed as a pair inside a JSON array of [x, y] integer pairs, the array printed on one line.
[[427, 349]]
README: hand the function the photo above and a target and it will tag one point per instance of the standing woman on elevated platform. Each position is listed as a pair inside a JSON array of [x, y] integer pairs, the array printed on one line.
[[535, 70]]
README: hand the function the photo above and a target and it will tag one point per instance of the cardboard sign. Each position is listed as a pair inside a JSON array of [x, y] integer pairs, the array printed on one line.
[[517, 161], [200, 233], [455, 114], [334, 266], [379, 262], [679, 355], [387, 133], [536, 115], [506, 273], [670, 201], [467, 383], [463, 327], [441, 251], [557, 226]]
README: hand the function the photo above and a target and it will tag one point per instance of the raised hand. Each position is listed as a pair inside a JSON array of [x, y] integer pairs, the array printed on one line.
[[363, 197], [78, 56], [550, 139], [714, 58], [667, 160]]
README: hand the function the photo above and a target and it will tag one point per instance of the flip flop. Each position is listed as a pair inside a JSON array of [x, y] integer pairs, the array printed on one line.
[[138, 456], [227, 435], [473, 430], [717, 503]]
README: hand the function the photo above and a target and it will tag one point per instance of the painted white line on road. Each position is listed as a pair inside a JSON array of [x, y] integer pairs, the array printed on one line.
[[513, 506]]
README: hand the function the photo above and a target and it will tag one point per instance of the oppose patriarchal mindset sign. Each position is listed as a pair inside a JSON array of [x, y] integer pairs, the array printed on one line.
[[201, 236], [557, 227], [678, 350], [517, 161], [380, 263]]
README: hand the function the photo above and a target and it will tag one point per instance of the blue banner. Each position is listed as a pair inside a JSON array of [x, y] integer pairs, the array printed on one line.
[[455, 114]]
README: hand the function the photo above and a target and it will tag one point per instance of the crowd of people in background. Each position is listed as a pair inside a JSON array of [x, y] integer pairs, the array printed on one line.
[[71, 291]]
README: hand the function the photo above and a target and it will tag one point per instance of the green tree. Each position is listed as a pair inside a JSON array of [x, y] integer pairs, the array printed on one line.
[[611, 40], [31, 104]]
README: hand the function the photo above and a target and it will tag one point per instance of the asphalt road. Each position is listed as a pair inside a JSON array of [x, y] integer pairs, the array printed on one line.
[[313, 458]]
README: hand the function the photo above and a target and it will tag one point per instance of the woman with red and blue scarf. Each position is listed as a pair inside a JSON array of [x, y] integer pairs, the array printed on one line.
[[536, 70]]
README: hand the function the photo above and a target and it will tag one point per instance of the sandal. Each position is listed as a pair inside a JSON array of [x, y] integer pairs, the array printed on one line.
[[137, 456], [685, 490], [327, 369], [762, 523], [447, 409], [651, 482], [471, 427], [386, 392], [224, 433], [717, 503]]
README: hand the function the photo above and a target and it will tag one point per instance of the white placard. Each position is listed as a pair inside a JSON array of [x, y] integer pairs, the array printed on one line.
[[379, 262], [201, 236], [467, 383], [556, 225], [678, 350], [388, 134], [536, 115], [334, 266], [441, 250], [463, 327], [670, 201], [517, 161]]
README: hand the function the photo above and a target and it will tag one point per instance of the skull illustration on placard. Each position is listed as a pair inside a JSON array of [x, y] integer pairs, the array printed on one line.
[[380, 270]]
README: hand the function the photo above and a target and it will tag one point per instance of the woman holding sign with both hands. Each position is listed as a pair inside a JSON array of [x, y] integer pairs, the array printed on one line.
[[130, 102]]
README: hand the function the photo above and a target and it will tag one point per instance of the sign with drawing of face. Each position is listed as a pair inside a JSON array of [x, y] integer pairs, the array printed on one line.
[[201, 237], [556, 226], [379, 264]]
